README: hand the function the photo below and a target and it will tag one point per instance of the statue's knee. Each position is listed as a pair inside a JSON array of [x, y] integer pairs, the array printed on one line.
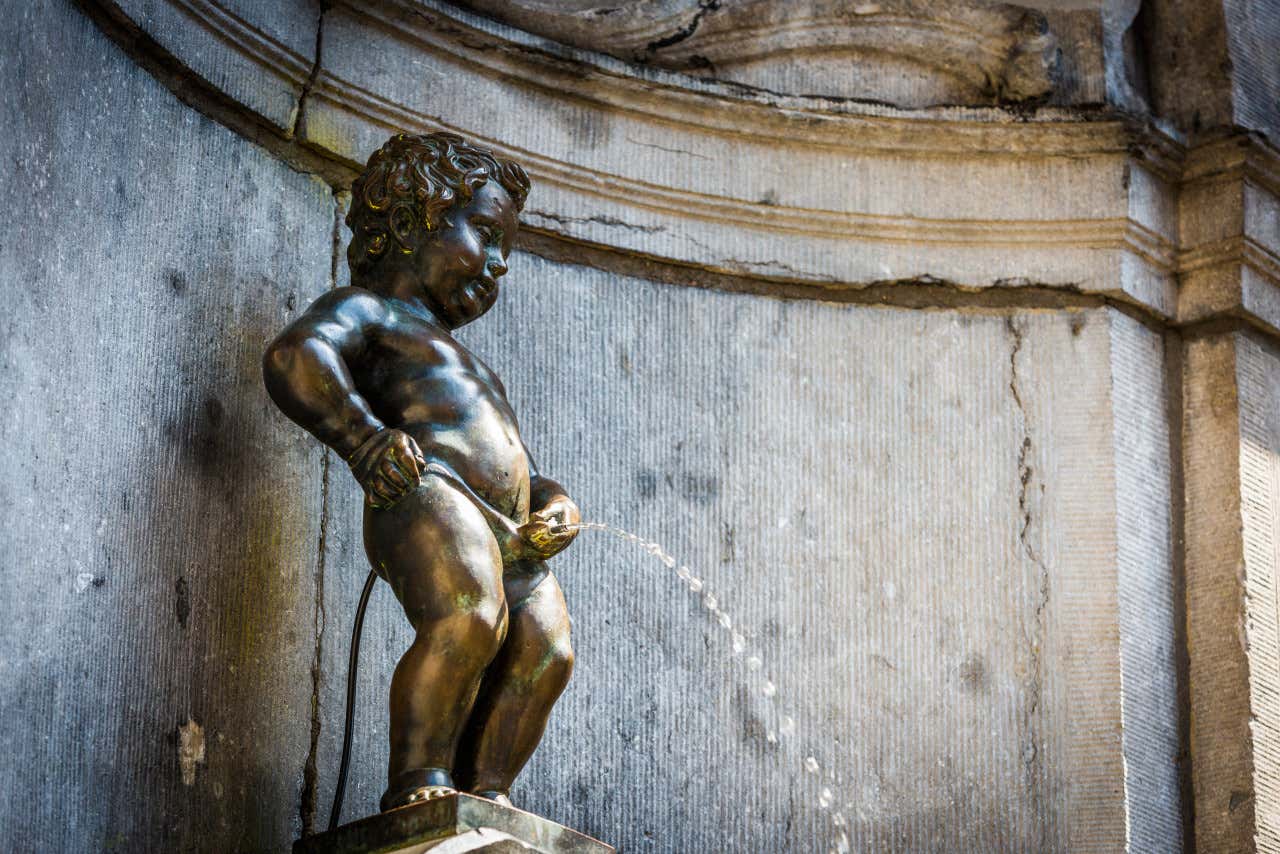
[[485, 625], [557, 665], [476, 628]]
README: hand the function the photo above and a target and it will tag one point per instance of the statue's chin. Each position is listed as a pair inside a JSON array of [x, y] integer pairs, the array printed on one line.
[[471, 300]]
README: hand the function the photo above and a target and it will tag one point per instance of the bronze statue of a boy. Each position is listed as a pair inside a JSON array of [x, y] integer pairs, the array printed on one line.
[[457, 519]]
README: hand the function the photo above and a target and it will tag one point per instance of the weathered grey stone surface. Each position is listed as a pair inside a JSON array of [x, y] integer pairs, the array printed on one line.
[[1233, 525], [938, 532], [799, 188], [827, 191], [278, 39], [1253, 40], [158, 520], [1230, 232], [904, 52], [1148, 588], [480, 840], [951, 537], [1212, 65]]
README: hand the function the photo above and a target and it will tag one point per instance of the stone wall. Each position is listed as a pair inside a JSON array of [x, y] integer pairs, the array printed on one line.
[[946, 536], [160, 521], [963, 412]]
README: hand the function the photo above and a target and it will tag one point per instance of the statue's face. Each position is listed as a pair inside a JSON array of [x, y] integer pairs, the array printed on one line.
[[461, 263]]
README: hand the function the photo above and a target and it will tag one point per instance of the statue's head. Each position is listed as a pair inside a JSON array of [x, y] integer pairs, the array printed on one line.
[[440, 211]]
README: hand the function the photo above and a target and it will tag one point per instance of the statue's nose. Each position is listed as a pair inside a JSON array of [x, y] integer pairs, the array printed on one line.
[[497, 267]]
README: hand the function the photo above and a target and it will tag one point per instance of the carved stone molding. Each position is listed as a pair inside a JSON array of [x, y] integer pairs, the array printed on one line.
[[834, 193], [1230, 233], [838, 196], [906, 52]]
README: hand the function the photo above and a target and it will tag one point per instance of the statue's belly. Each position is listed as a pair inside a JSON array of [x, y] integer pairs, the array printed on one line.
[[490, 459]]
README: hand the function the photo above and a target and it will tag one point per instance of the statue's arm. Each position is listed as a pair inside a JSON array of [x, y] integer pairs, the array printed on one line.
[[306, 369], [543, 491], [554, 518]]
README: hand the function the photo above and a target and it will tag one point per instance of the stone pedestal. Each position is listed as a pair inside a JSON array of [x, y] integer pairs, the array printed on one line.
[[452, 825]]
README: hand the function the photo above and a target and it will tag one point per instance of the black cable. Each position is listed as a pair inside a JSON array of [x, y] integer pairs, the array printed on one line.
[[351, 700]]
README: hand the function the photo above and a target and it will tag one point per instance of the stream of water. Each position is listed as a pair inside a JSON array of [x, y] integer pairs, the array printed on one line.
[[783, 729]]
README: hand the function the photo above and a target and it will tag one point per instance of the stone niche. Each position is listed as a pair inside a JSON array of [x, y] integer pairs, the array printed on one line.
[[938, 341], [904, 52]]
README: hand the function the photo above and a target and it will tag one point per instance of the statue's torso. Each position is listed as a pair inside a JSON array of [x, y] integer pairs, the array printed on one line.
[[418, 378]]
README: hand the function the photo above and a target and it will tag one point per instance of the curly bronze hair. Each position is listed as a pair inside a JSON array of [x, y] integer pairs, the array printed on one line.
[[409, 184]]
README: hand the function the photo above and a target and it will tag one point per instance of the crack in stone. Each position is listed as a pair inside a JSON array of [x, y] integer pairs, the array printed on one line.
[[597, 219], [309, 795], [773, 264], [1035, 636], [310, 773], [204, 97], [299, 128], [704, 7], [668, 150]]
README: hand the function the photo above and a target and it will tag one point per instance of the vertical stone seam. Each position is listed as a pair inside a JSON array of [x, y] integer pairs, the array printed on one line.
[[1221, 741], [1175, 376], [310, 772], [1118, 497], [1035, 636], [1146, 589], [1256, 364], [299, 128]]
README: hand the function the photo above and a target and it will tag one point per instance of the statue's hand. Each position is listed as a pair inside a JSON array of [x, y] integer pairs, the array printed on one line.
[[550, 530], [388, 465]]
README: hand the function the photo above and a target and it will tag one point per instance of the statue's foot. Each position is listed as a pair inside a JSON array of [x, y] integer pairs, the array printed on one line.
[[416, 785], [495, 795]]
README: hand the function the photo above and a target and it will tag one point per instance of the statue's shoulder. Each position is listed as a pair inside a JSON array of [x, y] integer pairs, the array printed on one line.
[[351, 305]]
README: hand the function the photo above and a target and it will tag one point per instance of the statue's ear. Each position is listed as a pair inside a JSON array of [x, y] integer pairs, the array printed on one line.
[[376, 242], [401, 221]]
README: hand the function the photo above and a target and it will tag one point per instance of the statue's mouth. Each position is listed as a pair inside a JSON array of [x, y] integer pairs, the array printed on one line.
[[476, 297]]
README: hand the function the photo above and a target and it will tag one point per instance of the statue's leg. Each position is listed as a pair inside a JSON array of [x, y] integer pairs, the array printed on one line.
[[436, 551], [520, 687]]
